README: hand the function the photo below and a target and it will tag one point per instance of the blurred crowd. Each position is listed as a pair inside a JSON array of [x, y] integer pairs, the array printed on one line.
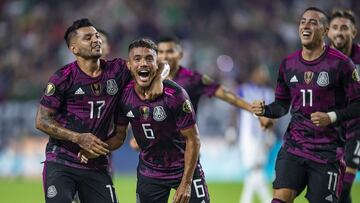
[[222, 38]]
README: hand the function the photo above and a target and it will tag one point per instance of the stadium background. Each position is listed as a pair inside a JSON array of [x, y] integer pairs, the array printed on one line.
[[221, 38]]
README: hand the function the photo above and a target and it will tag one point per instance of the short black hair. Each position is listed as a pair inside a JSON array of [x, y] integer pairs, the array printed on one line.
[[169, 39], [343, 13], [143, 42], [103, 32], [324, 20], [71, 31]]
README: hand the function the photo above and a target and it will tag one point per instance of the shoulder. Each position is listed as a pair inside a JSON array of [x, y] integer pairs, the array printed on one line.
[[116, 64], [337, 55], [293, 56], [63, 74], [185, 72], [172, 89]]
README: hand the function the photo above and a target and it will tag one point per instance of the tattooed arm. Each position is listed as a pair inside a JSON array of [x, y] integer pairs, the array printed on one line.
[[45, 122]]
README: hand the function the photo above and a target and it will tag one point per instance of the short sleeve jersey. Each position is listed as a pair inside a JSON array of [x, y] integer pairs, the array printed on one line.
[[156, 127], [195, 84], [84, 104], [325, 84], [352, 126]]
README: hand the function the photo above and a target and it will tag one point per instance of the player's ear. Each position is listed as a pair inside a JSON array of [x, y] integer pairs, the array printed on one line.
[[354, 32], [181, 54], [74, 49], [128, 64]]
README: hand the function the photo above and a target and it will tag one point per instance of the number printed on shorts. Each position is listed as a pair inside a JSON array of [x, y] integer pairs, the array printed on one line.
[[333, 178], [357, 149], [199, 188], [112, 193]]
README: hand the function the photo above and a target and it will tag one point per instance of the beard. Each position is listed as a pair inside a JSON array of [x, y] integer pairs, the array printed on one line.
[[89, 54]]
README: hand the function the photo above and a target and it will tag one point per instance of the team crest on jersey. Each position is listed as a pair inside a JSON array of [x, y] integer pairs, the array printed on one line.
[[186, 107], [144, 111], [96, 88], [323, 79], [111, 87], [355, 75], [50, 89], [51, 191], [159, 113], [308, 76], [206, 80]]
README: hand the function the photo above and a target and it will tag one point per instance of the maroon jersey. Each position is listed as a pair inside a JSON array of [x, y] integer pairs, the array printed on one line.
[[352, 126], [156, 126], [84, 104], [325, 84], [195, 84]]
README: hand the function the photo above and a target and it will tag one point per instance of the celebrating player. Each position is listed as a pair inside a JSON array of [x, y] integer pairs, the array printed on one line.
[[77, 111], [322, 87], [341, 33]]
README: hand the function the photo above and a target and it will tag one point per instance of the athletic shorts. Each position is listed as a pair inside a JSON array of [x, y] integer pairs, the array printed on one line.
[[323, 180], [150, 190], [352, 153], [62, 182]]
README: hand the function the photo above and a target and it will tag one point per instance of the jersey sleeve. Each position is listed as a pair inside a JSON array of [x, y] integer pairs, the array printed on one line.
[[282, 90], [54, 92], [206, 85], [350, 80], [184, 111]]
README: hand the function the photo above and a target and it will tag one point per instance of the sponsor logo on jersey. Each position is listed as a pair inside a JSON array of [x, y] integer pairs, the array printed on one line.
[[294, 79], [144, 111], [308, 76], [130, 114], [79, 91], [111, 87], [355, 75], [50, 89], [186, 107], [51, 191], [159, 113], [96, 88], [323, 79]]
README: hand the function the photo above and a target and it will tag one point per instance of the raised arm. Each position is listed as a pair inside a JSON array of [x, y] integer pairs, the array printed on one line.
[[231, 98], [192, 150], [46, 123], [157, 87]]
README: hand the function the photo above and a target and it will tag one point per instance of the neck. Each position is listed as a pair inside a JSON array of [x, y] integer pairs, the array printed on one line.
[[310, 54], [90, 67], [345, 50], [173, 72], [140, 91]]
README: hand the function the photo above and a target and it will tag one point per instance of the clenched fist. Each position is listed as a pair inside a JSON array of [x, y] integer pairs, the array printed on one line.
[[258, 107]]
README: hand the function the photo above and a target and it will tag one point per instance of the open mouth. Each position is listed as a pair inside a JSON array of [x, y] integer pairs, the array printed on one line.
[[306, 34], [144, 75]]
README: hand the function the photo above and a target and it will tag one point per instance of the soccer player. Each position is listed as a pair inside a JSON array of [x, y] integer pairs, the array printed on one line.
[[195, 83], [323, 89], [254, 159], [166, 131], [77, 111], [341, 33]]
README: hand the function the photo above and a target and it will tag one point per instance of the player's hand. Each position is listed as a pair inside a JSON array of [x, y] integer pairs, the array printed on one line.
[[320, 119], [157, 87], [266, 123], [92, 144], [84, 156], [258, 107], [183, 193]]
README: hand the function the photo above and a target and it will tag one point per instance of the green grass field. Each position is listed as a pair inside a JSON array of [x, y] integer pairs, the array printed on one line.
[[30, 191]]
